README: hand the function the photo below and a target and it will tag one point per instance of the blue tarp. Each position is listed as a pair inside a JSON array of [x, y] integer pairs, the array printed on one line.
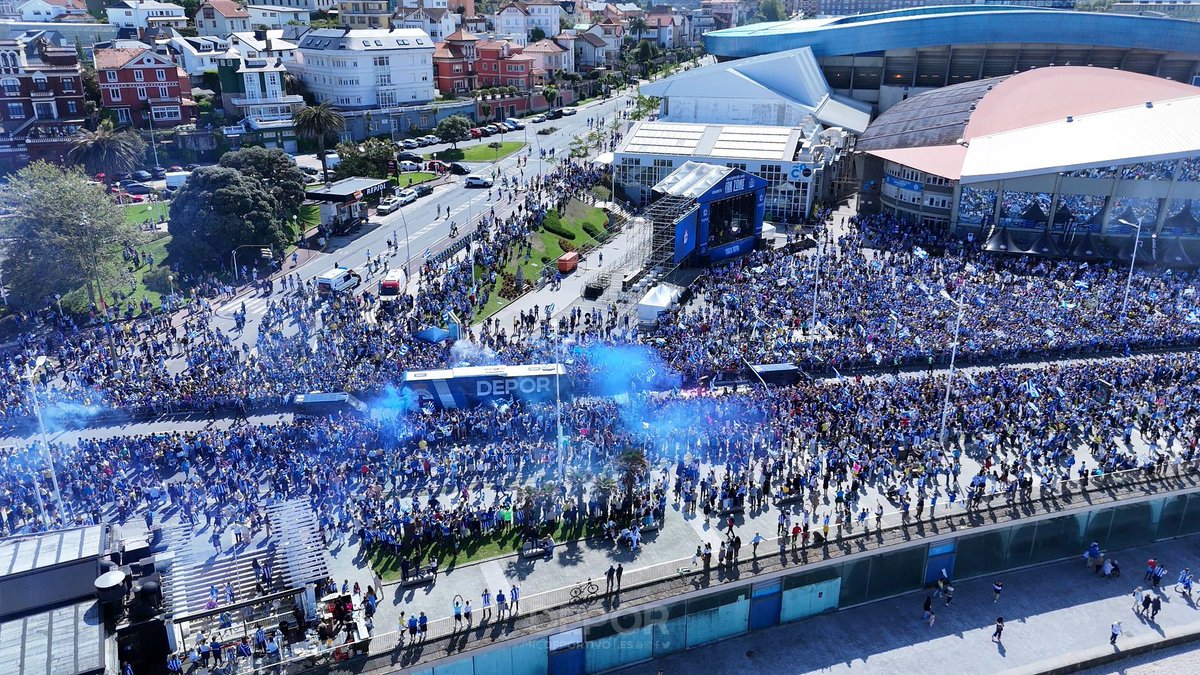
[[433, 335]]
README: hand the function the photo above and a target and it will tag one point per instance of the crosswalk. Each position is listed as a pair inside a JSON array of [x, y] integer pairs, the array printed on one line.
[[255, 305]]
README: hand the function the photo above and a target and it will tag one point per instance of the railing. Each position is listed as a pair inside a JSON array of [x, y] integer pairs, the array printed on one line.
[[588, 597]]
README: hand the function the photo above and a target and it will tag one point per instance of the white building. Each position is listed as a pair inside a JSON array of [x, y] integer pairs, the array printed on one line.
[[438, 22], [197, 55], [518, 19], [260, 100], [784, 88], [366, 69], [797, 163], [550, 57], [612, 34], [54, 10], [260, 44], [146, 14], [312, 6], [221, 18], [277, 16]]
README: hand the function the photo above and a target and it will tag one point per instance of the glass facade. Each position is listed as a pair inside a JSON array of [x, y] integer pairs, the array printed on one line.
[[637, 636]]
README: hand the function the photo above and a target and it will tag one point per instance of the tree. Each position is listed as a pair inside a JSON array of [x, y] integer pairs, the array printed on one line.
[[369, 158], [275, 169], [638, 25], [108, 151], [319, 123], [453, 129], [551, 94], [65, 233], [772, 10], [631, 465], [537, 34], [218, 210]]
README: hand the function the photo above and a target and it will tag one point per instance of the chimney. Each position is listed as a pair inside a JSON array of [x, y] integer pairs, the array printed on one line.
[[260, 34]]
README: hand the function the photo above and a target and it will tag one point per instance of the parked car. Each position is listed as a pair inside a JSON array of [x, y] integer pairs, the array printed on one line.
[[554, 114], [476, 132], [437, 165], [459, 169], [138, 189], [410, 144], [475, 180], [409, 166], [190, 167], [538, 119], [515, 123], [158, 172], [423, 190], [387, 205], [310, 171], [408, 157], [431, 139], [407, 197], [174, 167], [570, 111], [142, 176]]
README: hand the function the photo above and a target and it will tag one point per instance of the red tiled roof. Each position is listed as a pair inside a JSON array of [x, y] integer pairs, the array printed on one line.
[[228, 9], [115, 58]]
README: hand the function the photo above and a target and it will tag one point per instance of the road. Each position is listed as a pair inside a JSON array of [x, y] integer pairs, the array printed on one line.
[[425, 232]]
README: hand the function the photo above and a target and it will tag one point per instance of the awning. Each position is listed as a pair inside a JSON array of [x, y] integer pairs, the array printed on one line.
[[433, 334], [603, 159]]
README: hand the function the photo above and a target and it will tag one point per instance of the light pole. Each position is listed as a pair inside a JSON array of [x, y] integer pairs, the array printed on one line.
[[816, 283], [1137, 240], [171, 281], [407, 245], [960, 305], [58, 301], [37, 409]]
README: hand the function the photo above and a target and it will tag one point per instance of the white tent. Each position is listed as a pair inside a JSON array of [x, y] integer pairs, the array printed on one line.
[[657, 300]]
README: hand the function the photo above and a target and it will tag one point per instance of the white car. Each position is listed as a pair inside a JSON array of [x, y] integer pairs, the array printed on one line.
[[538, 119], [406, 197], [475, 180], [387, 205], [409, 166], [570, 111]]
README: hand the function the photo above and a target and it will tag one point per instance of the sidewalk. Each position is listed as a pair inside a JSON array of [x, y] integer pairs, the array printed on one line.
[[1056, 616]]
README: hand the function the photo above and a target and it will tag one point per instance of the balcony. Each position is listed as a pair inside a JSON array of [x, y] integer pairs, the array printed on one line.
[[169, 100], [38, 95], [264, 100]]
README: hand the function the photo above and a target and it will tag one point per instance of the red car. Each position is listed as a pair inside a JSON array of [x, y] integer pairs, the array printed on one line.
[[476, 132]]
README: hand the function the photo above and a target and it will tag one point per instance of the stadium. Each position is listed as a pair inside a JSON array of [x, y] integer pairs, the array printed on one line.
[[884, 57], [1106, 152]]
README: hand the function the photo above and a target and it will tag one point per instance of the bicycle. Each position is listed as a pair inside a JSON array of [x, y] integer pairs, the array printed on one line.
[[587, 589]]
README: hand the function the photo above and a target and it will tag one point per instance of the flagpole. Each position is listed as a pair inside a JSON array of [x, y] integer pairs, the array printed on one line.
[[950, 377]]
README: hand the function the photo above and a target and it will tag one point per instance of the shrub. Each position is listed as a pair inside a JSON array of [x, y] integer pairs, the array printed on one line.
[[553, 225], [156, 280], [566, 246], [597, 233]]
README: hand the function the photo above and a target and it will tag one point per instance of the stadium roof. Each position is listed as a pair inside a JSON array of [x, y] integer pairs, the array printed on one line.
[[793, 76], [934, 131], [918, 27], [68, 639], [26, 554], [732, 141]]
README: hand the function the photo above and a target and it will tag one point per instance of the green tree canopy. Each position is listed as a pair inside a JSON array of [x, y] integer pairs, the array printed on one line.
[[66, 233], [319, 123], [453, 129], [219, 209], [536, 34], [108, 151], [276, 169], [551, 94], [772, 10], [369, 158]]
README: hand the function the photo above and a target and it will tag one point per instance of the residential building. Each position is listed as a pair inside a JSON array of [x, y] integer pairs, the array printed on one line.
[[254, 91], [501, 63], [221, 18], [41, 99], [196, 55], [1178, 9], [312, 6], [146, 14], [454, 63], [589, 52], [142, 87], [519, 19], [668, 28], [725, 13], [612, 34], [438, 22], [264, 44], [367, 68], [621, 12], [365, 13], [277, 16], [54, 10], [550, 57]]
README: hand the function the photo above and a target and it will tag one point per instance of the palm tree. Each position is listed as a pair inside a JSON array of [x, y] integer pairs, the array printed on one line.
[[605, 487], [638, 25], [108, 151], [319, 122], [631, 464]]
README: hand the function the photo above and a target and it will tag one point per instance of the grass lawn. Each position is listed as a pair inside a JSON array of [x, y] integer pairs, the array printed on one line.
[[136, 214], [545, 244], [310, 215], [478, 153], [496, 543], [120, 294], [413, 178]]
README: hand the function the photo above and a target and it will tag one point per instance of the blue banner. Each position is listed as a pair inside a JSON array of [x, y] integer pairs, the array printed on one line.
[[685, 236], [911, 185]]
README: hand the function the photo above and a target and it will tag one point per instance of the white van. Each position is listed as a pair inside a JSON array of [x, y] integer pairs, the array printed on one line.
[[392, 285], [337, 280]]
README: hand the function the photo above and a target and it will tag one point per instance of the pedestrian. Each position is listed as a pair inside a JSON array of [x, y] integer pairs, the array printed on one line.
[[1116, 632], [1146, 602], [501, 604], [514, 594], [458, 611], [412, 628], [999, 629], [486, 598], [608, 578], [620, 571], [949, 594], [1138, 594], [1159, 573], [423, 625], [932, 617], [1155, 606], [758, 539], [1151, 564], [997, 586], [467, 613], [927, 608], [401, 624]]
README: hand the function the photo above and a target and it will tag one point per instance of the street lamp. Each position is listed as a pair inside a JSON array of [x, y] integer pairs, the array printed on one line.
[[37, 409], [58, 301], [816, 282], [1137, 240], [959, 305]]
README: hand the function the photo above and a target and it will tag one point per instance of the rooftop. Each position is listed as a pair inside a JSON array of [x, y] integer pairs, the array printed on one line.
[[228, 9], [693, 179], [369, 39], [68, 639], [734, 141], [345, 187], [26, 554]]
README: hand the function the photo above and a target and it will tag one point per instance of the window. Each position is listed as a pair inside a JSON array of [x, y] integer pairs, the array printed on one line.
[[44, 110], [12, 87], [383, 79], [68, 84], [16, 111], [139, 75], [115, 94], [160, 75], [141, 93], [110, 75], [72, 107]]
